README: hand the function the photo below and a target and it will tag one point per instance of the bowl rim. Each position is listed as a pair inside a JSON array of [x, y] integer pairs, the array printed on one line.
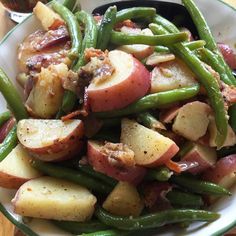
[[24, 227]]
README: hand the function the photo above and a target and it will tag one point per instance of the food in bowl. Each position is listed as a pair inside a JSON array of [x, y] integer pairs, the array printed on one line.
[[131, 114]]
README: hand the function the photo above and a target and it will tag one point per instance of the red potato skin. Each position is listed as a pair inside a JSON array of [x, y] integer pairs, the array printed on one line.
[[228, 54], [223, 167], [168, 115], [100, 163], [135, 86], [194, 156], [11, 182], [5, 129], [168, 155], [61, 150]]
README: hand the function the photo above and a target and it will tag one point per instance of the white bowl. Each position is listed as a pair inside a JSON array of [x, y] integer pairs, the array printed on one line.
[[221, 18]]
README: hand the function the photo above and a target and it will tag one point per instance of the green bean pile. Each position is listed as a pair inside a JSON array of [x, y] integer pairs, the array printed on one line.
[[186, 195]]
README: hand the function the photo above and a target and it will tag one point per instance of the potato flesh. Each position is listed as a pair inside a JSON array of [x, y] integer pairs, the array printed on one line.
[[34, 133], [46, 96], [192, 120], [52, 198], [171, 75], [140, 51], [148, 145], [123, 68], [124, 200], [230, 138], [46, 15]]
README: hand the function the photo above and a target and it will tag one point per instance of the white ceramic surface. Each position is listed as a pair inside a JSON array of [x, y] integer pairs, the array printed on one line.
[[221, 19]]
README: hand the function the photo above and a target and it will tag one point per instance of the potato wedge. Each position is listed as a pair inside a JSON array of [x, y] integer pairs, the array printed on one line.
[[124, 200], [15, 169], [47, 16], [171, 75], [46, 96], [150, 147], [51, 140], [192, 120], [51, 198]]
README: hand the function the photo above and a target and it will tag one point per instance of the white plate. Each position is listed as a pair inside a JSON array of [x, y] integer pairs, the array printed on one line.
[[221, 18]]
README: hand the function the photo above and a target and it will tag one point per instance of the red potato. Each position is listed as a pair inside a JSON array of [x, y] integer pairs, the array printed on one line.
[[51, 140], [151, 149], [129, 82], [48, 18], [140, 51], [102, 163], [171, 75], [168, 115], [6, 127], [223, 173], [205, 157], [192, 120], [15, 169], [228, 54]]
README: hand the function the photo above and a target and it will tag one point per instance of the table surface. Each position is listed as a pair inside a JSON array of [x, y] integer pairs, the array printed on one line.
[[6, 228]]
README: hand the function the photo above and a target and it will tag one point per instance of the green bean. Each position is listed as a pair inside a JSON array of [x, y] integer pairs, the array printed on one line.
[[166, 24], [107, 233], [8, 144], [68, 103], [72, 5], [106, 26], [119, 38], [154, 220], [107, 123], [90, 35], [226, 151], [71, 175], [148, 120], [205, 34], [5, 116], [87, 169], [207, 79], [73, 26], [193, 45], [108, 135], [135, 13], [153, 101], [232, 115], [211, 59], [199, 186], [161, 174], [12, 97], [80, 227], [183, 199]]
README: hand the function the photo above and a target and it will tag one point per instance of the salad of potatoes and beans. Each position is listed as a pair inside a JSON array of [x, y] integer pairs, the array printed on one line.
[[128, 122]]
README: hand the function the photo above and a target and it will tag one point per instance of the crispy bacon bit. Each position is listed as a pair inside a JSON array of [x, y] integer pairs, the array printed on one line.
[[119, 154], [127, 23], [92, 52], [52, 37], [229, 93], [173, 166], [71, 81], [74, 114], [99, 68], [56, 24], [154, 196]]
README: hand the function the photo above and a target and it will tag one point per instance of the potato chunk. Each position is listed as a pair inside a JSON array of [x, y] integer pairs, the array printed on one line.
[[46, 96], [15, 169], [124, 200], [150, 147], [51, 198], [192, 120], [47, 16]]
